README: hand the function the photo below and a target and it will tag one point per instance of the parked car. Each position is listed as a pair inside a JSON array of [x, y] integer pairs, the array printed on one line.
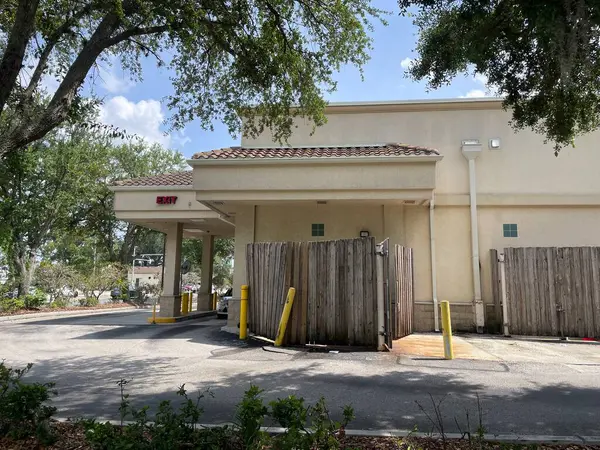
[[66, 291], [223, 303], [12, 294]]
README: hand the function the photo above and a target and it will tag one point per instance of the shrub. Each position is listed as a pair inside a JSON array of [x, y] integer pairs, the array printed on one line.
[[172, 428], [11, 304], [307, 427], [61, 302], [35, 300], [89, 301], [24, 411]]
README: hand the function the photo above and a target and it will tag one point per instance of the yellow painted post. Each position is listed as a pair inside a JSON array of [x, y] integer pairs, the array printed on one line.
[[214, 301], [154, 312], [185, 298], [285, 316], [244, 313], [447, 330]]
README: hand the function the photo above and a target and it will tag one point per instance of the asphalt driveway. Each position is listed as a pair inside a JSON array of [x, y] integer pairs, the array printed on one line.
[[87, 355]]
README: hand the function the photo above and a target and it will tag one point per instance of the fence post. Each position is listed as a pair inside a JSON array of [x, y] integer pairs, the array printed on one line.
[[244, 313], [447, 330], [503, 294], [285, 316], [214, 301]]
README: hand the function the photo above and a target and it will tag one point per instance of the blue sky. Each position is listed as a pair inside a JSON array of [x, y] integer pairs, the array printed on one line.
[[137, 106]]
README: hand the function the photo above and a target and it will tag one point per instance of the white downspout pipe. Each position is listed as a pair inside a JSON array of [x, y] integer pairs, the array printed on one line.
[[436, 312], [471, 150]]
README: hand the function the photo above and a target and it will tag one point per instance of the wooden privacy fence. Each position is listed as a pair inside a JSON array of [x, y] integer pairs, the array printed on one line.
[[335, 285], [551, 291]]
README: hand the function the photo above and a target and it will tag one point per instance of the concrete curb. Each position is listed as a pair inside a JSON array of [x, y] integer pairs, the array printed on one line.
[[177, 319], [87, 312], [507, 438]]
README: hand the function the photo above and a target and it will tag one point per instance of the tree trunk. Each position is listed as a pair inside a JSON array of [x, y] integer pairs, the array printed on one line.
[[25, 266]]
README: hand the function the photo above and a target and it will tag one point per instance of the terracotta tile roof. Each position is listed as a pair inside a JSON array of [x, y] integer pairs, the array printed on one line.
[[317, 152], [167, 179]]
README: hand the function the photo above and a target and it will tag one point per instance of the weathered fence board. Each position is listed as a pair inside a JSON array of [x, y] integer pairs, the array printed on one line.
[[552, 291], [404, 314], [335, 285]]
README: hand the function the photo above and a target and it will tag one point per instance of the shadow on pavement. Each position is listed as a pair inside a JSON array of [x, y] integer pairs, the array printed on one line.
[[87, 386]]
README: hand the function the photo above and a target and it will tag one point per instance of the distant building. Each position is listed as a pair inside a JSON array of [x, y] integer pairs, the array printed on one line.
[[145, 275]]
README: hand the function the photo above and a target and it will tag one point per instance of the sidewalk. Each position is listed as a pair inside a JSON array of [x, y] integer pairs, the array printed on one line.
[[71, 313], [477, 347]]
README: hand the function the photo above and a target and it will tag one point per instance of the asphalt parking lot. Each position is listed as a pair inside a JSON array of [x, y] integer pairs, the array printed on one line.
[[555, 390]]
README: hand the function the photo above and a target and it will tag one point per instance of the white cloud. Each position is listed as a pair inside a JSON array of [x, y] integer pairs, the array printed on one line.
[[476, 93], [406, 63], [481, 78], [179, 138], [113, 83], [143, 118]]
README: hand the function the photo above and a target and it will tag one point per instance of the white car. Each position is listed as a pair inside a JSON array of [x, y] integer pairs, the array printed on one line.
[[223, 303], [66, 291]]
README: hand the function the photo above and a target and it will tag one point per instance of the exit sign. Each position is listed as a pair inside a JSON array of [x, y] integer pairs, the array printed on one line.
[[166, 200]]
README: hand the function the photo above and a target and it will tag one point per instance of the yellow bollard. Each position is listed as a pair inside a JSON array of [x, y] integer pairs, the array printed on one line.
[[285, 316], [185, 298], [214, 301], [154, 313], [447, 330], [244, 313]]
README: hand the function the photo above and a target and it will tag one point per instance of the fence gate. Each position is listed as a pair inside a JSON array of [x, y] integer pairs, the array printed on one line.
[[335, 285], [551, 291], [404, 292]]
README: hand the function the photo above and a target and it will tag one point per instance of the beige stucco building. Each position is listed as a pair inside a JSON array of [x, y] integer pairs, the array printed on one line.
[[449, 178]]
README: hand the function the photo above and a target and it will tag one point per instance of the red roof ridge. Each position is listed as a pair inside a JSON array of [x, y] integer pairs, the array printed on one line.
[[336, 151], [180, 178]]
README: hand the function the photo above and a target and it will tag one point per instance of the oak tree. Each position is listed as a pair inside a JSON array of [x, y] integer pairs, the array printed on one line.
[[224, 57], [542, 56]]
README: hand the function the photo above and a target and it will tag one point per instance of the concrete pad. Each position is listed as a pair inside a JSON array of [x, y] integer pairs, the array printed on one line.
[[429, 345]]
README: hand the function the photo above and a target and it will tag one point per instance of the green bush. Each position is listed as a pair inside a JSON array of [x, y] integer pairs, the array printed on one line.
[[24, 409], [35, 300], [11, 304], [89, 301], [307, 427], [61, 302]]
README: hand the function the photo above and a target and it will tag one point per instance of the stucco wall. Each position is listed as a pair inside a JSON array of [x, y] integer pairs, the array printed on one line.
[[524, 164], [537, 227], [293, 223], [136, 200]]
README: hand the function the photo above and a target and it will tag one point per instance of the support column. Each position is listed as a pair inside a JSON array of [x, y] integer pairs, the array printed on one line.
[[244, 234], [170, 300], [205, 292]]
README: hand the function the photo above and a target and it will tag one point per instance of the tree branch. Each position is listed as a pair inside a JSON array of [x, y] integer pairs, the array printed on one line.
[[18, 38], [146, 49], [51, 42], [136, 32], [279, 23], [58, 108]]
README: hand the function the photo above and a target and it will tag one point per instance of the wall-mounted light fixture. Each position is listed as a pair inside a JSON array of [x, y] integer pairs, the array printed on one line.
[[364, 233], [495, 143]]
